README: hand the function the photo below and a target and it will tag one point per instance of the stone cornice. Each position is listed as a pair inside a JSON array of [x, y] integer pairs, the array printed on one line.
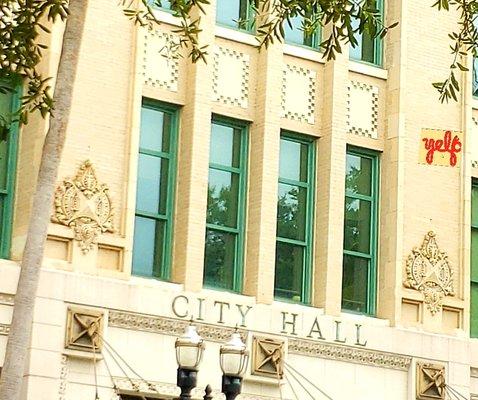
[[170, 326], [130, 386], [349, 354]]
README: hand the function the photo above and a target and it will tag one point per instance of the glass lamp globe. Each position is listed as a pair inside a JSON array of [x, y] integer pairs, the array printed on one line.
[[234, 356], [189, 349]]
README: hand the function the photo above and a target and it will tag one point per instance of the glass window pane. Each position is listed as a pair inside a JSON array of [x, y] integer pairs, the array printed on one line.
[[148, 246], [155, 128], [289, 271], [357, 225], [291, 212], [232, 13], [356, 52], [225, 145], [358, 175], [219, 259], [293, 160], [365, 49], [474, 255], [3, 158], [355, 284], [474, 206], [5, 110], [295, 34], [222, 202], [151, 194], [475, 77], [164, 3], [474, 310]]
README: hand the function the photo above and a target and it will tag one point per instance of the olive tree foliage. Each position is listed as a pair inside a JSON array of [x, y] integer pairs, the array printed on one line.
[[464, 41], [22, 22]]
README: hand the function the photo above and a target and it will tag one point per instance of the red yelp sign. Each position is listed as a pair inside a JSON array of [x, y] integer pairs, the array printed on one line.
[[447, 145]]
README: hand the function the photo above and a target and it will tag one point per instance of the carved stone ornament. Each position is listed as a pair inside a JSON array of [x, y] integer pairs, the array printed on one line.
[[430, 381], [429, 271], [85, 206], [84, 328], [267, 357]]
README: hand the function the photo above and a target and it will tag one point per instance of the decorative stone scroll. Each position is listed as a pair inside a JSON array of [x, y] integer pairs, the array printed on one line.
[[84, 205], [169, 326], [429, 271], [349, 354]]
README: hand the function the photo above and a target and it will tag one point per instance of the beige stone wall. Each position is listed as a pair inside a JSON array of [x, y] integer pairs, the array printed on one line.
[[340, 103]]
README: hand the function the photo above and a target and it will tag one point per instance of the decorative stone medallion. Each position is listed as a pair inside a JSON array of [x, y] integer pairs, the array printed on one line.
[[430, 381], [267, 357], [85, 206], [429, 271], [83, 329]]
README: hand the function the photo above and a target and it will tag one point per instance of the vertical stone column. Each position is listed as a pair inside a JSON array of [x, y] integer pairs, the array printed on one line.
[[393, 174], [193, 162], [263, 177], [463, 287], [331, 186]]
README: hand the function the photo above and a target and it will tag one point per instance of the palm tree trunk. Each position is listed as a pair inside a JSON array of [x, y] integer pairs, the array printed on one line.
[[20, 329]]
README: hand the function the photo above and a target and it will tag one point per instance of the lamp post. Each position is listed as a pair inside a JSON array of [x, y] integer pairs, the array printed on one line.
[[233, 357], [189, 350]]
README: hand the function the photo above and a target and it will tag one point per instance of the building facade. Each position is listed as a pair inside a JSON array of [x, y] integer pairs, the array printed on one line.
[[327, 210]]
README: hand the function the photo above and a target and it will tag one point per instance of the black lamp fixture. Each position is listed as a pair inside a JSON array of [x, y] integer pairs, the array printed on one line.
[[233, 357], [189, 351]]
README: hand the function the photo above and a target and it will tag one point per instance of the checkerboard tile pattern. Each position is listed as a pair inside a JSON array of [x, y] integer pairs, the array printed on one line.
[[160, 67], [231, 77], [298, 93], [362, 109]]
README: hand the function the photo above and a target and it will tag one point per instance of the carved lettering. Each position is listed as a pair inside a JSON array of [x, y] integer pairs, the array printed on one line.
[[200, 308], [357, 336], [337, 332], [221, 307], [174, 305], [286, 323], [243, 314], [315, 329]]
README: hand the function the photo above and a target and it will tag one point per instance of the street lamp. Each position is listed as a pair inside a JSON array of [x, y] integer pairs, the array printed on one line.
[[189, 350], [233, 358]]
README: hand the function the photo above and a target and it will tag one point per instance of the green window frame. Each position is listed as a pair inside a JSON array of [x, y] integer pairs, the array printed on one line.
[[360, 231], [295, 218], [368, 50], [294, 33], [474, 261], [155, 191], [236, 14], [9, 102], [225, 221]]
